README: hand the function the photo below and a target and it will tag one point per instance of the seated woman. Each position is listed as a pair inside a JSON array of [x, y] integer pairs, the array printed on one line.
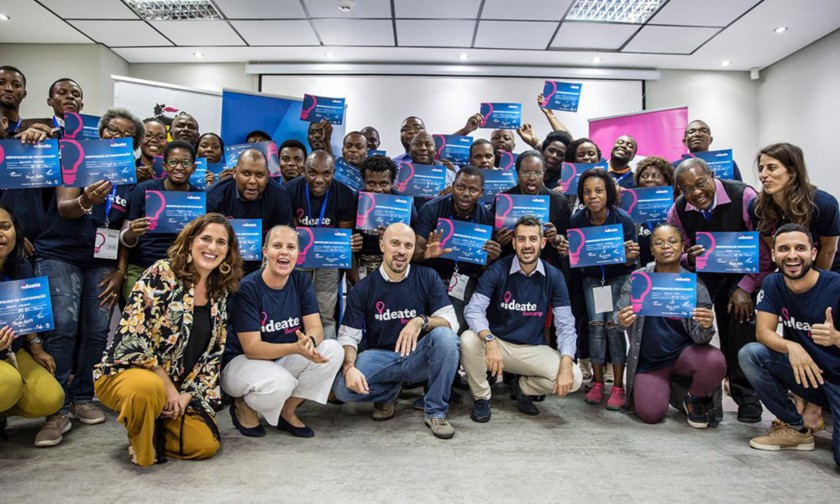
[[161, 372], [661, 348], [27, 385], [277, 357]]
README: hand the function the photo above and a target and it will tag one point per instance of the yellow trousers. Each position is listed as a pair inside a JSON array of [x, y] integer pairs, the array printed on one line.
[[138, 396], [31, 392]]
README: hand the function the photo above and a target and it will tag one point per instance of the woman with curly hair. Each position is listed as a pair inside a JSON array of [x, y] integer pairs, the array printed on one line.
[[651, 171]]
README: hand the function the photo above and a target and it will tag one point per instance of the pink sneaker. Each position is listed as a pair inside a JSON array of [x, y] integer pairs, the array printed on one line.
[[595, 394], [617, 399]]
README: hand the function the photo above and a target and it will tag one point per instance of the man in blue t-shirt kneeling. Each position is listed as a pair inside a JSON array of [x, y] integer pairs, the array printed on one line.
[[805, 358], [410, 329], [507, 314]]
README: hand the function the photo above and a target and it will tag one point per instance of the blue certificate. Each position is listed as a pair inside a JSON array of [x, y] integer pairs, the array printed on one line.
[[465, 239], [648, 204], [510, 207], [316, 108], [25, 305], [425, 181], [268, 148], [198, 176], [720, 162], [85, 163], [157, 167], [376, 210], [663, 294], [501, 115], [249, 234], [507, 160], [324, 248], [170, 211], [596, 246], [561, 95], [728, 252], [454, 148], [27, 166], [570, 175], [81, 126], [348, 175], [216, 168], [495, 182]]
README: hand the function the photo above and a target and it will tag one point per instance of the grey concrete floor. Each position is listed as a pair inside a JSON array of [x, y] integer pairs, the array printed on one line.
[[571, 452]]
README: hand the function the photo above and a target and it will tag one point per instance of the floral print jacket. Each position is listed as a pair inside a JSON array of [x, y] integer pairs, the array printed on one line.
[[154, 331]]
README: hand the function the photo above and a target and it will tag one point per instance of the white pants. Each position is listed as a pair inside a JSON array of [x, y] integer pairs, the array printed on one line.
[[266, 385]]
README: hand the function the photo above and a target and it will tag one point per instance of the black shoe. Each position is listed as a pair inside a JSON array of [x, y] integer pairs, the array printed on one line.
[[539, 398], [257, 431], [301, 432], [481, 411], [525, 403], [3, 423], [750, 413]]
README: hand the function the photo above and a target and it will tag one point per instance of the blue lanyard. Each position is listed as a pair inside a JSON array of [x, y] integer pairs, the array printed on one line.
[[619, 179], [13, 128], [109, 202], [323, 206]]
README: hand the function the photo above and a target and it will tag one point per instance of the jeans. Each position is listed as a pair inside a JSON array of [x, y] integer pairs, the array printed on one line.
[[771, 375], [435, 360], [602, 328], [73, 292]]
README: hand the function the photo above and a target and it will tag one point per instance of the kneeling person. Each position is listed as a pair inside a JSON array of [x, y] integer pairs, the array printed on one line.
[[507, 315]]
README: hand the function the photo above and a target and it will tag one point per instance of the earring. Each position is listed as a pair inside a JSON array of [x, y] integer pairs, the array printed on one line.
[[224, 268]]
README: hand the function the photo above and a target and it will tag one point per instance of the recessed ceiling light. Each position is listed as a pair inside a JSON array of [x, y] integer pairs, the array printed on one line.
[[596, 59], [329, 54], [345, 5], [781, 29], [4, 17], [198, 54], [156, 10], [725, 63], [614, 11], [464, 57]]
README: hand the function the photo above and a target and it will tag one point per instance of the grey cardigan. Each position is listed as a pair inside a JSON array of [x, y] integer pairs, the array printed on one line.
[[699, 335]]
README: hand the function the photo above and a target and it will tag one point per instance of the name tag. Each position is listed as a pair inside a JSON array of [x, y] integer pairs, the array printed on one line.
[[106, 244], [458, 286], [603, 299]]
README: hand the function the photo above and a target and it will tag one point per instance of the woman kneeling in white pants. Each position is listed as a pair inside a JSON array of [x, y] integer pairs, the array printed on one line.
[[277, 357]]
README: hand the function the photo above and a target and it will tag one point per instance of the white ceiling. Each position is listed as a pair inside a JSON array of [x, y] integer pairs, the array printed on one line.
[[683, 34]]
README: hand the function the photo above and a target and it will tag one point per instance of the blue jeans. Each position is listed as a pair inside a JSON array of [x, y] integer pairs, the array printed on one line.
[[771, 375], [602, 328], [435, 359], [73, 292]]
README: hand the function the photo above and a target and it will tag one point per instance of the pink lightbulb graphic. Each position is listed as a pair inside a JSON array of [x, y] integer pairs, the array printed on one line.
[[501, 217], [300, 213], [2, 154], [362, 216], [309, 242], [547, 97], [442, 145], [489, 108], [402, 181], [78, 126], [703, 258], [263, 318], [153, 218], [634, 199], [507, 297], [447, 235], [304, 113], [636, 302], [574, 252], [68, 174], [380, 307], [506, 160], [100, 240], [566, 182]]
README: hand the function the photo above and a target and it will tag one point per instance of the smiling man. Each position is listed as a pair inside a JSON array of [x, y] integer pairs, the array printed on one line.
[[698, 138], [623, 151], [185, 127]]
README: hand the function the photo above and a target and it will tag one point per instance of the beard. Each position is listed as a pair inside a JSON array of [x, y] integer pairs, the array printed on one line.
[[804, 269]]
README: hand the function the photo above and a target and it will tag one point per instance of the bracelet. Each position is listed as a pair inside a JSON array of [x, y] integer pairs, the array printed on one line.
[[88, 210]]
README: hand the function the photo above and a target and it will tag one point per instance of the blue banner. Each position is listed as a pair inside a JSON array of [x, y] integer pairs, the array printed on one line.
[[720, 162], [510, 207], [348, 175], [570, 175], [170, 211], [25, 305], [85, 163], [663, 294], [507, 160], [596, 246], [465, 239], [27, 166], [501, 115], [376, 210], [561, 95], [647, 204], [81, 126], [249, 234], [425, 181], [496, 181], [269, 150], [324, 248], [454, 148], [316, 108], [727, 252]]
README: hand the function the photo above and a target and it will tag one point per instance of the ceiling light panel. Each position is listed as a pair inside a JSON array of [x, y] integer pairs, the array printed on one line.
[[614, 11], [173, 10]]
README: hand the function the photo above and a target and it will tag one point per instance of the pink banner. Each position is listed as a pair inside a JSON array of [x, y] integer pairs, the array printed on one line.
[[658, 133]]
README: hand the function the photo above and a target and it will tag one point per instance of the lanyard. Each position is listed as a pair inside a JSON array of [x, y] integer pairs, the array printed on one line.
[[619, 179], [323, 206], [109, 202], [13, 128]]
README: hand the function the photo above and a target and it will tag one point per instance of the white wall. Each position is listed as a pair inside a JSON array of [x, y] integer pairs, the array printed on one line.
[[210, 76], [799, 102]]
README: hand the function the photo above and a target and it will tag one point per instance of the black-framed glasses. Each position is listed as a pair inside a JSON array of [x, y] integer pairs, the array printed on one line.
[[114, 131], [173, 163]]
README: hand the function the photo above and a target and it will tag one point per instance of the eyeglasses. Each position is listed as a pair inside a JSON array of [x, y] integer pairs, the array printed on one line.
[[159, 138], [694, 131], [698, 186], [532, 173], [670, 243], [116, 132], [651, 175], [173, 163]]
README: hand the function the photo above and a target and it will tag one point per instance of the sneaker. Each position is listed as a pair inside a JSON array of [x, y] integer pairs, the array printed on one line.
[[750, 413], [87, 413], [53, 432], [586, 370], [384, 410], [784, 437], [609, 377], [525, 403], [440, 427], [617, 399], [695, 408], [481, 411], [595, 394]]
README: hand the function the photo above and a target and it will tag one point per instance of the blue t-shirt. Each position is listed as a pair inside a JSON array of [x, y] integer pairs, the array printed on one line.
[[427, 221], [798, 312], [580, 219], [519, 304], [382, 308], [150, 247], [663, 340], [338, 205], [370, 239], [275, 313]]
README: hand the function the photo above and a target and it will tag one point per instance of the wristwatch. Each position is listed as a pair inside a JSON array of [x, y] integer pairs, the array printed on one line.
[[425, 322], [489, 337], [35, 341]]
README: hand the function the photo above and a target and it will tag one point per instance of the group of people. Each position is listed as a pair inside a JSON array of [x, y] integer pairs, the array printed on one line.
[[198, 323]]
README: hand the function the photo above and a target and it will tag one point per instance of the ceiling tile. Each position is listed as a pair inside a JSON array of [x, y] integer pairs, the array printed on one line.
[[280, 33], [121, 33], [30, 23], [574, 35], [705, 13], [361, 9], [261, 9], [90, 9], [356, 32], [446, 9], [442, 33], [669, 39], [514, 34], [536, 10], [198, 32]]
